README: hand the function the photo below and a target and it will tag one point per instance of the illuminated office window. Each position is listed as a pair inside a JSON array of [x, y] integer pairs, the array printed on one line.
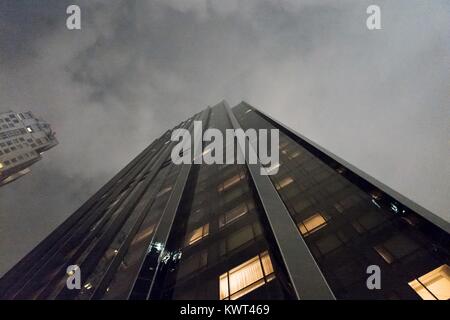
[[233, 214], [197, 234], [246, 277], [285, 182], [312, 224], [435, 285]]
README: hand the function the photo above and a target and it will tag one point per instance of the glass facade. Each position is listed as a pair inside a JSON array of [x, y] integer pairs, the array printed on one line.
[[194, 231], [349, 226]]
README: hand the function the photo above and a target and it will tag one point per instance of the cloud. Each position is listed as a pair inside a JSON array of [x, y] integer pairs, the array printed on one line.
[[377, 99]]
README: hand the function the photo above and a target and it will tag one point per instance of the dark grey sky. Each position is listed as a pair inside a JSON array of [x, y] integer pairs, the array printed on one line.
[[379, 99]]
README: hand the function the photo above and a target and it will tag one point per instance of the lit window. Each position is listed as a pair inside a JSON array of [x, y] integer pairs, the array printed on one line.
[[312, 224], [434, 285], [229, 183], [285, 182], [232, 215], [246, 277], [197, 234], [1, 165], [88, 286]]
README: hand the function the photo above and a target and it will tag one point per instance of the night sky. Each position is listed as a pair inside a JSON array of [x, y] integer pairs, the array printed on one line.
[[378, 99]]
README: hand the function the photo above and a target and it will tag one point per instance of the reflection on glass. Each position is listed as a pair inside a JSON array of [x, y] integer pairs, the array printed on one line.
[[384, 253], [143, 234], [164, 191], [229, 183], [233, 214], [193, 263], [246, 277], [435, 285]]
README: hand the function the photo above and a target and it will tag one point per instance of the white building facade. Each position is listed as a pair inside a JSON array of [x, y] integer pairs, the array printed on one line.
[[23, 139]]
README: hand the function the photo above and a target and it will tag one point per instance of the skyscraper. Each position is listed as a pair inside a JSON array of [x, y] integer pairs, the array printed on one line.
[[317, 229], [23, 138]]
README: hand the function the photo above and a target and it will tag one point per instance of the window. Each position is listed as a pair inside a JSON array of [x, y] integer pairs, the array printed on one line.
[[239, 238], [273, 167], [193, 263], [229, 183], [434, 285], [312, 224], [233, 214], [143, 234], [384, 253], [163, 191], [197, 234], [395, 248], [246, 277], [285, 182]]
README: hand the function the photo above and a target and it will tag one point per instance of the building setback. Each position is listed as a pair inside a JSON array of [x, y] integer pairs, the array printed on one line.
[[195, 231], [23, 139]]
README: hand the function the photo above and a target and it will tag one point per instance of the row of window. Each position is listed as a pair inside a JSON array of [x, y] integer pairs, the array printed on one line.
[[12, 133], [19, 143], [19, 158]]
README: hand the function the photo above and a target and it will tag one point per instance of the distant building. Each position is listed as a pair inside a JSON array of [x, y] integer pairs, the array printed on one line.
[[23, 139]]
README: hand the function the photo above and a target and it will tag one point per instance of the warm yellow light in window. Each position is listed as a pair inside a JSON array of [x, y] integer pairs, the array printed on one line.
[[1, 165], [229, 183], [312, 224], [435, 285], [285, 182], [197, 234], [246, 277]]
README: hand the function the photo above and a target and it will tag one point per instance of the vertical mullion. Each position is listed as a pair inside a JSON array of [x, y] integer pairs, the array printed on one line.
[[303, 271]]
